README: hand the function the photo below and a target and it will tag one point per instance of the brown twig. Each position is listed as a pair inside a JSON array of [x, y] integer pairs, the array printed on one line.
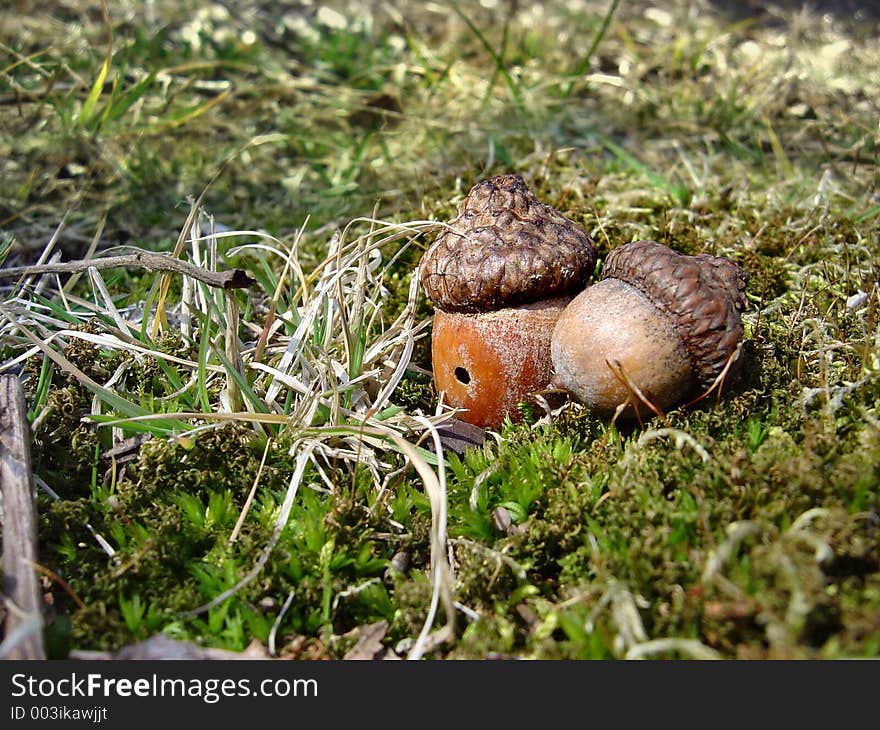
[[232, 279], [66, 587], [719, 381], [617, 370]]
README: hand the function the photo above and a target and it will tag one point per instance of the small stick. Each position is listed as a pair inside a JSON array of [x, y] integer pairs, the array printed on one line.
[[232, 279], [617, 370], [20, 586], [719, 381]]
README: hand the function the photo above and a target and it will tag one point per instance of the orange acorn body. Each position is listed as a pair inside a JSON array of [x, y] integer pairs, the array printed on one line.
[[499, 277], [487, 362]]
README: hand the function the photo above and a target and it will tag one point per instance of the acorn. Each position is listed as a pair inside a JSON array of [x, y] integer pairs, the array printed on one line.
[[500, 276], [659, 328]]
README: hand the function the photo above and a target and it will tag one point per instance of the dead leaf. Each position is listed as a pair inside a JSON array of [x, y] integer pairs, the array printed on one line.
[[369, 643]]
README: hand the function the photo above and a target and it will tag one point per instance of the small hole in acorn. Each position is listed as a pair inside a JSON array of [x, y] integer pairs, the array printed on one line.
[[462, 376]]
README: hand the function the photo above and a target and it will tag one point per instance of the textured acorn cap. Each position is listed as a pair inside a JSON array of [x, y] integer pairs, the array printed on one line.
[[703, 295], [504, 248]]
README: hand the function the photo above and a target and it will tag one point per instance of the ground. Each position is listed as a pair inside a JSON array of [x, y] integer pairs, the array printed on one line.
[[231, 466]]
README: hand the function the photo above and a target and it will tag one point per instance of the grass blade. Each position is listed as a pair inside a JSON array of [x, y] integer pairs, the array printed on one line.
[[678, 192], [108, 397], [500, 67], [88, 112]]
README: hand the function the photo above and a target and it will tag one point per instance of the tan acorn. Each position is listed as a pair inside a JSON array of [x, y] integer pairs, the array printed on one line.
[[499, 277], [660, 327]]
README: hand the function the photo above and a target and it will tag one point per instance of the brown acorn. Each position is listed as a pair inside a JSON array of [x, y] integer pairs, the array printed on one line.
[[499, 276], [659, 326]]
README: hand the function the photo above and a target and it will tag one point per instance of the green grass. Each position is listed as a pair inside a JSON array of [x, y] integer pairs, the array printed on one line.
[[288, 426]]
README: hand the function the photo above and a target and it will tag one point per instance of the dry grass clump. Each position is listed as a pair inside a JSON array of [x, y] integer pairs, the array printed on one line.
[[317, 365]]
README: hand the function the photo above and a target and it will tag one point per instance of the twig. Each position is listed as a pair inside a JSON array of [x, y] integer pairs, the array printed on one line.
[[53, 576], [162, 646], [617, 370], [232, 279], [20, 584], [719, 381]]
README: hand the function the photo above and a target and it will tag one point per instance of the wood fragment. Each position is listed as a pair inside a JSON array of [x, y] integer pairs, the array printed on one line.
[[126, 450], [231, 279], [163, 647], [369, 642], [457, 435], [21, 587]]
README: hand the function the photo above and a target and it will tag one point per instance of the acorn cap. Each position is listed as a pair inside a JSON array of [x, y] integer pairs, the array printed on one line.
[[504, 248], [703, 295]]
